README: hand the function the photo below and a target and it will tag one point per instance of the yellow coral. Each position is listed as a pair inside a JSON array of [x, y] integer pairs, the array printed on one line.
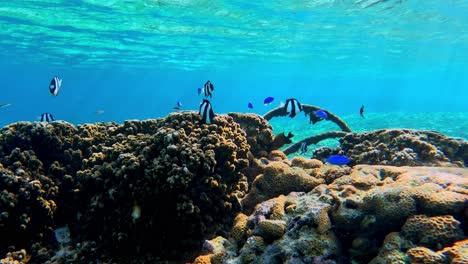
[[239, 228], [272, 229], [424, 255]]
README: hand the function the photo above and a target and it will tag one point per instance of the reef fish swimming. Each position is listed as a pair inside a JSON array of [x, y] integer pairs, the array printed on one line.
[[321, 114], [303, 147], [268, 100], [338, 160], [55, 85], [5, 105], [208, 89], [178, 106], [250, 105], [46, 117], [361, 111], [206, 112], [293, 107]]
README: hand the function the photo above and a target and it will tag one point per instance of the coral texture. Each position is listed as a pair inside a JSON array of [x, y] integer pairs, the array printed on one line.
[[158, 186], [400, 147]]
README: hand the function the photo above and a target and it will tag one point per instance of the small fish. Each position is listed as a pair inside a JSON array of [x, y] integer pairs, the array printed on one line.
[[338, 160], [206, 112], [268, 100], [361, 111], [250, 105], [99, 112], [5, 105], [321, 113], [303, 147], [199, 90], [281, 104], [178, 106], [208, 90], [55, 85], [46, 117], [293, 107]]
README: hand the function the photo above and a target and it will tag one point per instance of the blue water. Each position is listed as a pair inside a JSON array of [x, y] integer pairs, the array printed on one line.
[[135, 60]]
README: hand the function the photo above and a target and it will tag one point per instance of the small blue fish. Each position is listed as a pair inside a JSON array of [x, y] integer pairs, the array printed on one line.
[[250, 105], [268, 100], [199, 90], [178, 106], [303, 147], [338, 160], [321, 114]]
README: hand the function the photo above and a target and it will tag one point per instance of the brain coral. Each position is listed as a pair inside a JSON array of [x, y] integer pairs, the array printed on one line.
[[432, 232], [158, 186], [278, 178]]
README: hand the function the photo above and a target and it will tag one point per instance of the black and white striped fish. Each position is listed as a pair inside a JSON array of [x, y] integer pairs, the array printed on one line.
[[46, 117], [293, 107], [206, 112], [208, 89], [55, 85]]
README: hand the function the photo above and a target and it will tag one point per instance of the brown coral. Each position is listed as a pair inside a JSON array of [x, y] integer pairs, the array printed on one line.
[[278, 178], [432, 232]]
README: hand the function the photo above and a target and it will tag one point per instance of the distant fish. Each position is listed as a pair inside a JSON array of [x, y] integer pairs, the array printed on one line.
[[199, 90], [208, 89], [55, 85], [99, 112], [361, 111], [178, 106], [338, 160], [322, 114], [303, 147], [206, 112], [5, 105], [250, 105], [46, 117], [293, 107], [268, 100]]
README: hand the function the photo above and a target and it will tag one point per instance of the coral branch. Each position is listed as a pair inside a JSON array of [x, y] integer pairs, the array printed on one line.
[[314, 140], [308, 110]]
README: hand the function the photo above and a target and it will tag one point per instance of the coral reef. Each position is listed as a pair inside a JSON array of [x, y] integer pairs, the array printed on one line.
[[156, 186], [400, 147], [369, 214], [314, 140], [152, 191], [278, 178]]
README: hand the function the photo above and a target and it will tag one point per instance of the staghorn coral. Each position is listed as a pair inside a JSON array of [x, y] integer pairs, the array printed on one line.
[[401, 147]]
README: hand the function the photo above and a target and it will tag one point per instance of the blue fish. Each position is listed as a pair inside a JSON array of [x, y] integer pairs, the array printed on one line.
[[303, 147], [250, 105], [268, 100], [199, 90], [178, 106], [321, 114], [338, 160]]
